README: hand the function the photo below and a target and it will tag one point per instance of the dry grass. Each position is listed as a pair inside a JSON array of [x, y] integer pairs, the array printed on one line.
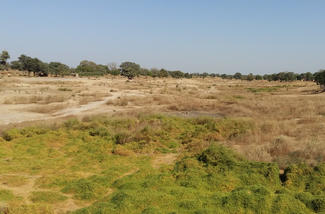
[[85, 100], [35, 99], [92, 97], [48, 109], [120, 101], [289, 118]]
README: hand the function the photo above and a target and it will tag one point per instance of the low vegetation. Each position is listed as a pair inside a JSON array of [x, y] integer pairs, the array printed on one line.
[[200, 145], [46, 197], [105, 165]]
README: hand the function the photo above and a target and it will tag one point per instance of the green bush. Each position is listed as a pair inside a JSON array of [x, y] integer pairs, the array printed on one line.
[[218, 156], [11, 134], [83, 189], [318, 204], [305, 178], [207, 177]]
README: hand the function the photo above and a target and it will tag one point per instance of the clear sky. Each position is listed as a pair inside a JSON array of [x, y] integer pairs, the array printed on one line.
[[258, 36]]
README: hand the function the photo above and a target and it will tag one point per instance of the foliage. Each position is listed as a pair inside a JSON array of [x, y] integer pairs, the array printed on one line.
[[129, 69], [320, 78], [89, 68], [58, 69], [92, 161], [250, 77], [263, 89], [4, 56], [221, 182], [29, 64], [47, 197], [237, 75]]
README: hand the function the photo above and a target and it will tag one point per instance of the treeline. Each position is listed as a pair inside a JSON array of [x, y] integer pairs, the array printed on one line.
[[318, 77], [282, 76], [85, 68], [131, 70]]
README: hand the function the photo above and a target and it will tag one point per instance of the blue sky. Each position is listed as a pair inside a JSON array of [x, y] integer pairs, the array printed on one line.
[[258, 36]]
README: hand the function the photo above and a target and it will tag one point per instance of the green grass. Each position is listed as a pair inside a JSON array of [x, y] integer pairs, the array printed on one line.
[[264, 89], [107, 162], [6, 195], [215, 181], [47, 197]]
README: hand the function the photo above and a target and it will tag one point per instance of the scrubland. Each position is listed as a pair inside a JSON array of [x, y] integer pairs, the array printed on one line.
[[107, 145]]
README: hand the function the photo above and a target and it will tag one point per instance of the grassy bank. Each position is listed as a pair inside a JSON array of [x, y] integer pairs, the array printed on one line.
[[148, 164]]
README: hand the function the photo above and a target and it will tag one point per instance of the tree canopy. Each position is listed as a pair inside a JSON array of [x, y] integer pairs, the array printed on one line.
[[130, 69], [320, 78], [58, 69], [4, 56]]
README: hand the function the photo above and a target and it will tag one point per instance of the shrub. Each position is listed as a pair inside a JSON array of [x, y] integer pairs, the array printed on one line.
[[318, 204], [218, 156], [122, 138], [11, 134], [99, 131], [83, 189], [254, 199], [320, 78], [304, 178]]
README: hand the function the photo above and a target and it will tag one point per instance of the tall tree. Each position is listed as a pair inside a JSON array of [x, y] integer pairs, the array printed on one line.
[[58, 69], [29, 64], [4, 56], [89, 68], [250, 77], [320, 78]]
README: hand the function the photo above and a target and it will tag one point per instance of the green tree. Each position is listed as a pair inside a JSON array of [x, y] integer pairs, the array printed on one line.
[[29, 64], [258, 77], [15, 65], [89, 68], [4, 56], [113, 69], [238, 75], [163, 73], [129, 69], [309, 76], [250, 77], [320, 78], [58, 69], [176, 74]]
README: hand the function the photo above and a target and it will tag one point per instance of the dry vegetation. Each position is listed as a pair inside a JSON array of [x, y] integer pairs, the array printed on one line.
[[147, 124], [288, 117]]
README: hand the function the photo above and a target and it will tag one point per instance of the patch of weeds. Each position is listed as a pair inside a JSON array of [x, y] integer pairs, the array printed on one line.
[[64, 89], [6, 195], [13, 181], [47, 197], [264, 89], [238, 97]]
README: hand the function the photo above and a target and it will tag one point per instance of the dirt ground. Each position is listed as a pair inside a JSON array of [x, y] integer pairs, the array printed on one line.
[[289, 117]]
